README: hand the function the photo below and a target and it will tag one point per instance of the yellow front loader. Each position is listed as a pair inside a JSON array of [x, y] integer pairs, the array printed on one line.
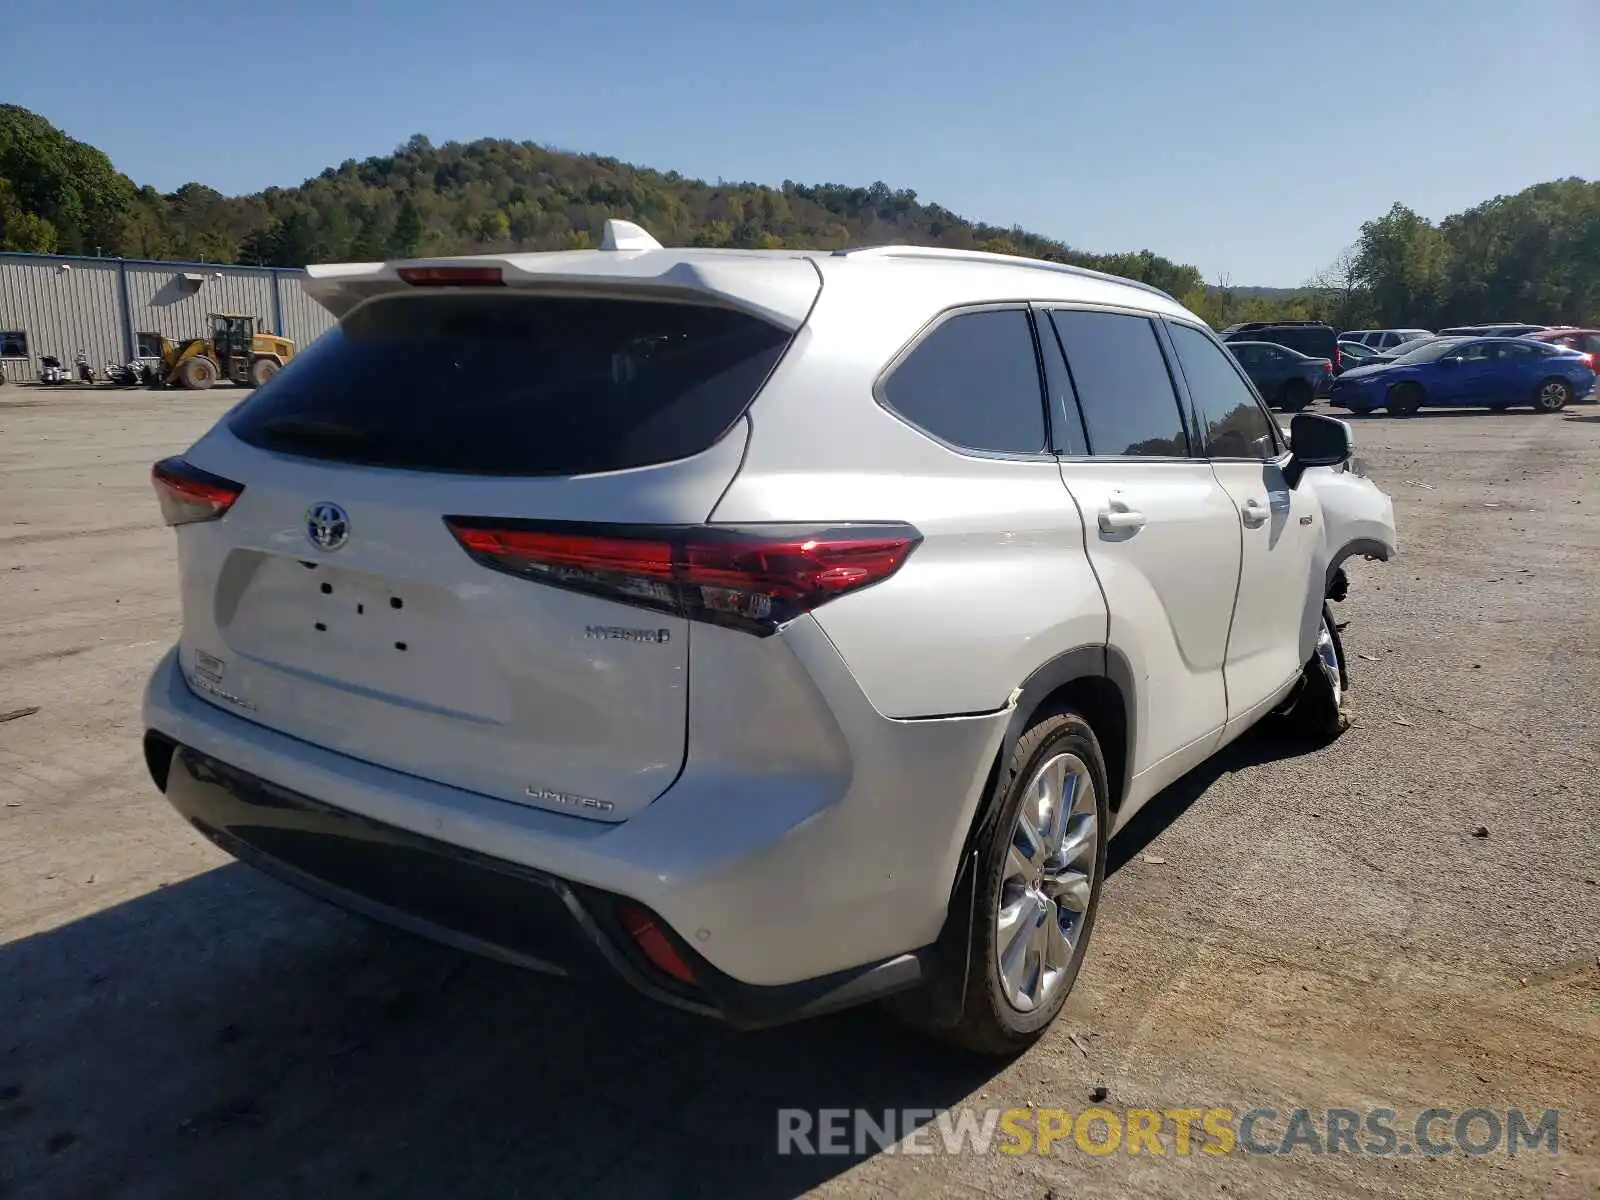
[[234, 351]]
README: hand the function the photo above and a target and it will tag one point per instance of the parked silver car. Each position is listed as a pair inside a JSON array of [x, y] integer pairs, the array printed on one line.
[[775, 630]]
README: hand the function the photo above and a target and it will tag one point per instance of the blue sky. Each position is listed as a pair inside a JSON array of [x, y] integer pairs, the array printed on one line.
[[1247, 138]]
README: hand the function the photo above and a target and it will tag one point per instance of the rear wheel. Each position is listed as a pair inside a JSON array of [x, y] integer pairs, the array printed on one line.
[[262, 370], [1039, 867], [1296, 395], [1553, 395], [197, 373], [1404, 399]]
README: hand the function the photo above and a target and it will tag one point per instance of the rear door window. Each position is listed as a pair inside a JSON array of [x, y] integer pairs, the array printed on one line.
[[1124, 389], [973, 382], [515, 386]]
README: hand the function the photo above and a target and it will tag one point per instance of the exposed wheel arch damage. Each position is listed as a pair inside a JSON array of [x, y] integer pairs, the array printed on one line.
[[1366, 547]]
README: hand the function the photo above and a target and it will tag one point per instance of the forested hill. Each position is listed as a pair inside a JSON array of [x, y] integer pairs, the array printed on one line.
[[60, 195], [1533, 256]]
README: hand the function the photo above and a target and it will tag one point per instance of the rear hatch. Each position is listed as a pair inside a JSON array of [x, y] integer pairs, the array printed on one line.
[[335, 603]]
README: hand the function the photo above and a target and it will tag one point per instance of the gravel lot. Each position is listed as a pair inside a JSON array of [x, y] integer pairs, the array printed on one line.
[[1284, 929]]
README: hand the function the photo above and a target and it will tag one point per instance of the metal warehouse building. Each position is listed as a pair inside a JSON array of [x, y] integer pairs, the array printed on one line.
[[114, 309]]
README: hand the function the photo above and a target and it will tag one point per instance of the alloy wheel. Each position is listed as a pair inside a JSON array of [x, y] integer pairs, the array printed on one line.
[[1047, 881]]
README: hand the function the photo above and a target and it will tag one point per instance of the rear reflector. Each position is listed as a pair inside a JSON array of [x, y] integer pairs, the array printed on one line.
[[644, 927], [188, 494], [452, 276], [754, 578]]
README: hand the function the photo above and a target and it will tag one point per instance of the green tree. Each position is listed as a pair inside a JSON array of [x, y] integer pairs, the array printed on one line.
[[1402, 262], [405, 241], [69, 185]]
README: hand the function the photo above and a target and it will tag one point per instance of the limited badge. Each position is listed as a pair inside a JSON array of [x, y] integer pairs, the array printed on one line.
[[209, 666]]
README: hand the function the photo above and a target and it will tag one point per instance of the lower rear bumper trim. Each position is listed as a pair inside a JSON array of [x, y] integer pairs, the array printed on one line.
[[474, 902]]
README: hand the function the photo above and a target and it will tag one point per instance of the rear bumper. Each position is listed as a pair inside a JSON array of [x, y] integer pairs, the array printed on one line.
[[474, 902], [781, 859]]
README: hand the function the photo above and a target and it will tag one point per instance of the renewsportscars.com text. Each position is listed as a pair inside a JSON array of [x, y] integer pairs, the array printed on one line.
[[1379, 1132]]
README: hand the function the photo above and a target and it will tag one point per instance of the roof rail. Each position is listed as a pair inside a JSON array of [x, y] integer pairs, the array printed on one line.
[[949, 253]]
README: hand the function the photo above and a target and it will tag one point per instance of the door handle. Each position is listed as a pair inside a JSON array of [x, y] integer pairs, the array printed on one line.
[[1254, 512], [1117, 517]]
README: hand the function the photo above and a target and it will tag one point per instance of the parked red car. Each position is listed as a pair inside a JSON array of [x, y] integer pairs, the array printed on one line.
[[1585, 341]]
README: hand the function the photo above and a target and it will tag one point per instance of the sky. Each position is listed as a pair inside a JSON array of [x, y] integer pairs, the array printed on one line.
[[1250, 139]]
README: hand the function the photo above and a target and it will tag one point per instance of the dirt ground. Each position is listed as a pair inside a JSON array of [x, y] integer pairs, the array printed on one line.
[[1282, 929]]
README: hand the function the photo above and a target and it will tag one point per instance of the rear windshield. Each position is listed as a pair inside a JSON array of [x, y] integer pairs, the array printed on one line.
[[502, 385]]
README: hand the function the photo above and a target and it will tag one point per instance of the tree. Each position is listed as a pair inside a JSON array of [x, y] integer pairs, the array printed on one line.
[[70, 186], [21, 229], [1337, 295], [405, 241], [1402, 261], [1531, 256]]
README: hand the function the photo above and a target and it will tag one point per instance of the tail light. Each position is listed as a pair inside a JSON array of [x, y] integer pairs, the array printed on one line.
[[754, 578], [644, 927], [1338, 359], [452, 276], [188, 494]]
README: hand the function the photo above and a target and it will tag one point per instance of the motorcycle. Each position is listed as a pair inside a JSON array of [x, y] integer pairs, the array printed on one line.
[[51, 371], [84, 370], [123, 374]]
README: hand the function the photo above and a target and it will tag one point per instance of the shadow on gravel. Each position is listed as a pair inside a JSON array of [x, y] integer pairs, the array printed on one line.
[[227, 1037], [1262, 744], [1431, 414]]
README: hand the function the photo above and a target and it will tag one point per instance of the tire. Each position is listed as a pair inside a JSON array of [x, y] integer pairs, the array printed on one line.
[[1296, 395], [1552, 395], [261, 370], [1320, 710], [1404, 399], [999, 1017], [197, 373]]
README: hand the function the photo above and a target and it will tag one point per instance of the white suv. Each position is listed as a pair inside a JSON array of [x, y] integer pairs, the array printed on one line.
[[775, 630]]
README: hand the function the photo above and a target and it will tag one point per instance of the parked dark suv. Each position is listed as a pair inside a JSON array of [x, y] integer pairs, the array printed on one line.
[[1285, 378], [1311, 338]]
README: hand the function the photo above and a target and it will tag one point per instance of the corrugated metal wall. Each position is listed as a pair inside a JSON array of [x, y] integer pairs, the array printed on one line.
[[304, 319], [175, 300], [60, 311], [64, 305]]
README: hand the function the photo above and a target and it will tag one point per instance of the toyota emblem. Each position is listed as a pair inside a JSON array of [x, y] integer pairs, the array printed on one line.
[[327, 525]]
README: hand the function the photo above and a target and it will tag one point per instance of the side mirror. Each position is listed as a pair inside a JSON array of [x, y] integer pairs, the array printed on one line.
[[1453, 360], [1317, 441]]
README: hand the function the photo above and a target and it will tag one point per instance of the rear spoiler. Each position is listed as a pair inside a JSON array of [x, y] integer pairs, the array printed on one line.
[[629, 265]]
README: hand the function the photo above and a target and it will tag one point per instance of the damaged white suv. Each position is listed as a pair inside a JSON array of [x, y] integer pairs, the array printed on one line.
[[774, 630]]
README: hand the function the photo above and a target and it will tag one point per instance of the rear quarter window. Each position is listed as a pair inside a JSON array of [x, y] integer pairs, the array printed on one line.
[[973, 382], [515, 386]]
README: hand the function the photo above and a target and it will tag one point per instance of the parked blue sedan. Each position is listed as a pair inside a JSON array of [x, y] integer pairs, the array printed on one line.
[[1490, 372]]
